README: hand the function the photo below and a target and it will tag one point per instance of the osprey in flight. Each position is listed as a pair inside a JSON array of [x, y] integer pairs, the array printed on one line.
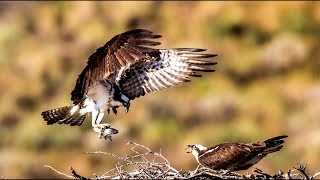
[[235, 156], [122, 70]]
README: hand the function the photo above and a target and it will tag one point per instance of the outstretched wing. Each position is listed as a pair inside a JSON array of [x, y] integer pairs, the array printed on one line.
[[123, 50], [173, 67]]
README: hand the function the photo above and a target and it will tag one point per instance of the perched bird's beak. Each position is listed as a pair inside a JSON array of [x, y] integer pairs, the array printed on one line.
[[188, 147]]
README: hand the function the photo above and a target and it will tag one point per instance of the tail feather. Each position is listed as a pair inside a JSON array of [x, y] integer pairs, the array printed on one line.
[[64, 115], [77, 121], [274, 144], [54, 115]]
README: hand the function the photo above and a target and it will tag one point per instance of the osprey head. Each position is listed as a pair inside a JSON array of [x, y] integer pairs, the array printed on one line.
[[195, 149]]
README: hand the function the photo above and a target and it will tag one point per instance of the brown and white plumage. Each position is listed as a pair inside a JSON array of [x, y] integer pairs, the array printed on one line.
[[235, 156], [173, 67], [125, 68], [54, 115], [122, 50]]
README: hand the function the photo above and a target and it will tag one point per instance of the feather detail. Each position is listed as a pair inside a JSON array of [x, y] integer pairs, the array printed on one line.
[[172, 68], [123, 50]]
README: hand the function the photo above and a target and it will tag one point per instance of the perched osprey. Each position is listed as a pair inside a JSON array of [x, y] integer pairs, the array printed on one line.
[[122, 70], [235, 156]]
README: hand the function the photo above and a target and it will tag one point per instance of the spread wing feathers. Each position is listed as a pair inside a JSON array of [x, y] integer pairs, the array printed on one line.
[[173, 67], [122, 50], [63, 115]]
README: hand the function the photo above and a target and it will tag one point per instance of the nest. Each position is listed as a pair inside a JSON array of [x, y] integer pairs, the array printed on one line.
[[146, 164]]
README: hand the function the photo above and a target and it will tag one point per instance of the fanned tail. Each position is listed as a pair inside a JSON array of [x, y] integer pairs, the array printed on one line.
[[64, 115]]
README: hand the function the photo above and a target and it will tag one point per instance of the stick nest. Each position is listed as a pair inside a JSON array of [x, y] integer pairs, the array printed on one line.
[[146, 164]]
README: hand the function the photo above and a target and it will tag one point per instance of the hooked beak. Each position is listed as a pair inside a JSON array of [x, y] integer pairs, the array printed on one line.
[[188, 147]]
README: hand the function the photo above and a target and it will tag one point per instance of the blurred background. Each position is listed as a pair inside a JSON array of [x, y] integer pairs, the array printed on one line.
[[266, 82]]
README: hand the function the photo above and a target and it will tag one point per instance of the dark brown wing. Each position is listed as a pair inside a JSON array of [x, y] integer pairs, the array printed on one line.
[[224, 156], [260, 150], [174, 67], [122, 50]]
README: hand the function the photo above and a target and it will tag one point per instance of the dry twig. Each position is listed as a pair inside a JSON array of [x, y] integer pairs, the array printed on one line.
[[66, 175], [76, 175]]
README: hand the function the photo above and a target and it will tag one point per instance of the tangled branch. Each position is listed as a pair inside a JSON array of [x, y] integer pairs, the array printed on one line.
[[147, 164], [144, 163]]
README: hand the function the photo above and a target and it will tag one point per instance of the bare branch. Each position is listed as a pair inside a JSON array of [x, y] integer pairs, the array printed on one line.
[[315, 175], [105, 153], [47, 166], [259, 171], [76, 175], [302, 169]]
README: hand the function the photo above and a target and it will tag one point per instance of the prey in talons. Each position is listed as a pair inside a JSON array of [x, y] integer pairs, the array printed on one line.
[[105, 131]]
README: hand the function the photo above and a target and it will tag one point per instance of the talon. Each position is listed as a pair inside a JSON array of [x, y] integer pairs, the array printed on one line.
[[127, 107], [103, 129], [100, 135], [102, 132], [114, 109], [108, 132]]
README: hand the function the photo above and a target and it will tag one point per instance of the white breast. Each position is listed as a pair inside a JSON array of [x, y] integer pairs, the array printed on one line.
[[101, 95], [196, 155]]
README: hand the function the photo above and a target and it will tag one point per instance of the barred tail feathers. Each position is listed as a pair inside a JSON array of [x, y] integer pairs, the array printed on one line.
[[64, 115]]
